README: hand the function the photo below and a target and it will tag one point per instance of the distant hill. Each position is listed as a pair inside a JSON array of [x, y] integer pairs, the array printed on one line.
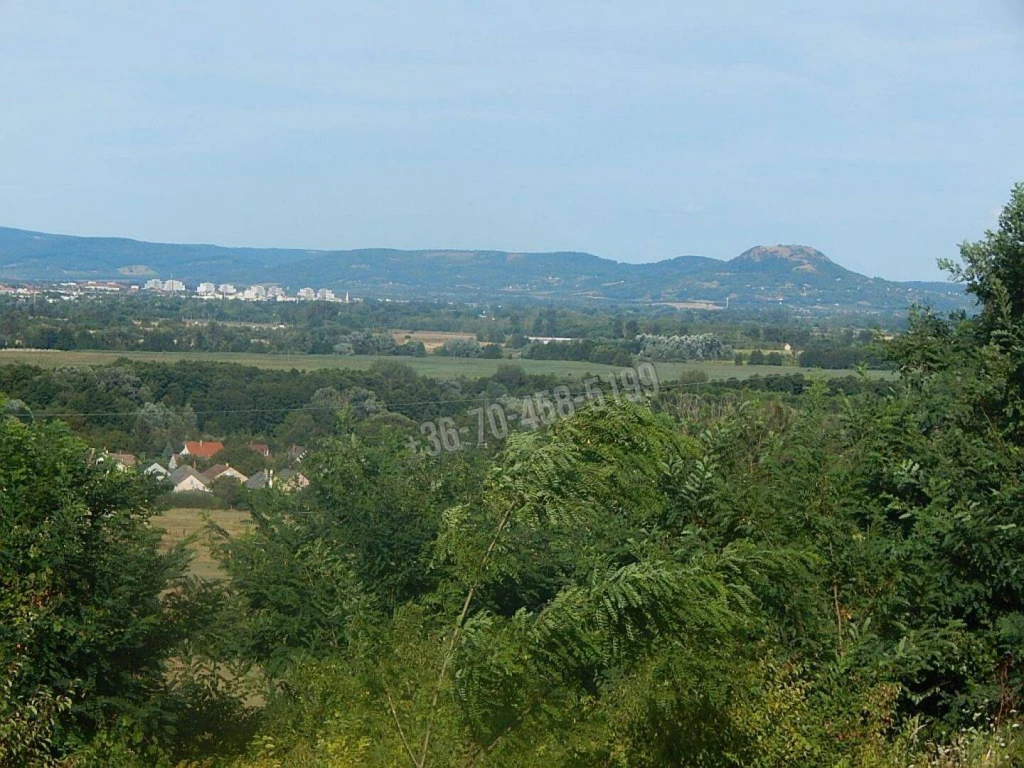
[[789, 275], [28, 255]]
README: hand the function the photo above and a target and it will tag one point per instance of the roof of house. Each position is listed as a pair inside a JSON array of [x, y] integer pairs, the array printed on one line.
[[215, 470], [181, 473], [127, 459], [203, 449], [260, 447], [155, 468], [219, 469], [286, 479], [289, 479], [259, 480]]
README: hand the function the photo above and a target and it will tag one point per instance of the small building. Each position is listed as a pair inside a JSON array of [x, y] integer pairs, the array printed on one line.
[[286, 480], [217, 471], [262, 479], [202, 449], [156, 470], [290, 480], [188, 479], [123, 461], [261, 448]]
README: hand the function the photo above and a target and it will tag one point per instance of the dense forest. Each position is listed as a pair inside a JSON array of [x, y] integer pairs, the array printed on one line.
[[763, 573]]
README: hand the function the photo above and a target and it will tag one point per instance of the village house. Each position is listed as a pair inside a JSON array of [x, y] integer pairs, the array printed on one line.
[[200, 449], [123, 461], [262, 479], [290, 480], [156, 470], [286, 480], [188, 479], [217, 471]]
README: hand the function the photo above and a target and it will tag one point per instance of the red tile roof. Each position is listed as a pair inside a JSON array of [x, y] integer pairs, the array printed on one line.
[[203, 449]]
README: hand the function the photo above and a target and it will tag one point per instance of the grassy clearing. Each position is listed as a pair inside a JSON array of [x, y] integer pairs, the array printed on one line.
[[443, 367], [180, 523], [431, 339]]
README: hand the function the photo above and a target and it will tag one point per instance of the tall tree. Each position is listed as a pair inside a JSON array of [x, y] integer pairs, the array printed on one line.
[[84, 621]]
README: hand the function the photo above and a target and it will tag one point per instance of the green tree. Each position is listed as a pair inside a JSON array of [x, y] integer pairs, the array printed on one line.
[[993, 271], [993, 268], [85, 625]]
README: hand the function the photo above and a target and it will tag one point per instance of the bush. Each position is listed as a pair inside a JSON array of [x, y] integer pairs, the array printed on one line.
[[492, 352], [461, 348], [412, 348], [704, 346], [366, 343]]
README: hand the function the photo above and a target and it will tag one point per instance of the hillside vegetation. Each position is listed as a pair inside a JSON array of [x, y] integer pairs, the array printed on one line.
[[820, 574], [791, 275]]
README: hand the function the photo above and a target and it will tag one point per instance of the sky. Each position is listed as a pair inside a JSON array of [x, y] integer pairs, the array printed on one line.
[[881, 133]]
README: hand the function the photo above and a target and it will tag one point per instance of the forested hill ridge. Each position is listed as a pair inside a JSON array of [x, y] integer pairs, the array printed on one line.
[[790, 275]]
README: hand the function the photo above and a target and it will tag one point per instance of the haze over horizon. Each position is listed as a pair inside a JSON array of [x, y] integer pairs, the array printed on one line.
[[633, 132]]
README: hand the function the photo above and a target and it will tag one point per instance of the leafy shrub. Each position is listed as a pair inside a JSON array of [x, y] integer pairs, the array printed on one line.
[[704, 346]]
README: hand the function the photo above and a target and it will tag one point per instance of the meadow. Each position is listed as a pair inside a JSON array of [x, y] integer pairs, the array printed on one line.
[[440, 367], [181, 523]]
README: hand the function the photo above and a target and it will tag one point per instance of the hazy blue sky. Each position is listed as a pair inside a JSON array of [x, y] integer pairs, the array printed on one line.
[[883, 133]]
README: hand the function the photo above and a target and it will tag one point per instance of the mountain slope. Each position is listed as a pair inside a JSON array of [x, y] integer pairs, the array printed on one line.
[[792, 275], [26, 255]]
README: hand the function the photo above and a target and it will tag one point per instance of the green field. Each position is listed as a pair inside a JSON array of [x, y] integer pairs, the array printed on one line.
[[427, 366]]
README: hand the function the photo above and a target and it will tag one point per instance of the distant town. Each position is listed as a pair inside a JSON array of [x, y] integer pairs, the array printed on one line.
[[205, 290]]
